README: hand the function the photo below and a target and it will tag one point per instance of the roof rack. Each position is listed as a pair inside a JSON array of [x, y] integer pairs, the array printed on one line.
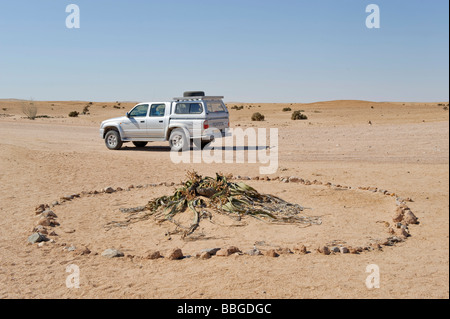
[[197, 98]]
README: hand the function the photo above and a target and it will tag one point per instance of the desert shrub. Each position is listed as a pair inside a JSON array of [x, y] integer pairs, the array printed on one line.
[[116, 107], [287, 109], [297, 115], [257, 117], [237, 108], [86, 109], [29, 109], [4, 108], [74, 114]]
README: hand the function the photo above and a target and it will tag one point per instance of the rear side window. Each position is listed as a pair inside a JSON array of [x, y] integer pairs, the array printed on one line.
[[188, 108], [215, 106]]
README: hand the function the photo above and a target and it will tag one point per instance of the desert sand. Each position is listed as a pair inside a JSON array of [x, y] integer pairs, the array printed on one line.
[[404, 150]]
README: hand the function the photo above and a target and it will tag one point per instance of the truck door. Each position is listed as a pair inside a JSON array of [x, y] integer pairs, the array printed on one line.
[[156, 121], [136, 123]]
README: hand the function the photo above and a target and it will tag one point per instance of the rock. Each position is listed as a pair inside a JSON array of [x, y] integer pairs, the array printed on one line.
[[45, 221], [40, 208], [398, 216], [175, 254], [205, 255], [153, 254], [41, 244], [401, 232], [294, 179], [324, 250], [271, 253], [410, 218], [335, 250], [71, 248], [301, 249], [284, 251], [68, 197], [55, 203], [344, 250], [37, 238], [224, 252], [376, 246], [112, 253], [84, 251], [53, 234], [211, 251], [109, 190], [253, 252], [353, 251], [49, 214]]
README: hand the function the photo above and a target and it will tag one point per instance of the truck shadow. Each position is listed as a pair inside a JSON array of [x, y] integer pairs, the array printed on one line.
[[167, 148]]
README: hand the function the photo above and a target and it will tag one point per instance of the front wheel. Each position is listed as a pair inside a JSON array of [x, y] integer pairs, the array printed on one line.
[[113, 140]]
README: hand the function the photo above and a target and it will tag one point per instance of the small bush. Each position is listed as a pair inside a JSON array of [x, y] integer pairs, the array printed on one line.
[[74, 114], [237, 108], [297, 115], [4, 108], [86, 109], [287, 109], [257, 117], [29, 109]]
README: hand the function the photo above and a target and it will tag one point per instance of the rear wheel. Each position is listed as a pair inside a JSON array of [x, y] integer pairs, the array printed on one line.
[[113, 140], [140, 144], [178, 141]]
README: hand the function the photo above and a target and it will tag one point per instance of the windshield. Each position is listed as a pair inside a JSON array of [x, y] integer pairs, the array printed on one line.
[[215, 106]]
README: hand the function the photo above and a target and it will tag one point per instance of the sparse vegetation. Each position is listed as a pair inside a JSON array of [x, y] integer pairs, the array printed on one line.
[[297, 115], [207, 196], [4, 108], [257, 117], [29, 109], [74, 114], [237, 108], [86, 109], [287, 109]]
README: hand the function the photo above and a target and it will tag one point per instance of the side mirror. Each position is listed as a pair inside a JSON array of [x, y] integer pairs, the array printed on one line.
[[128, 114]]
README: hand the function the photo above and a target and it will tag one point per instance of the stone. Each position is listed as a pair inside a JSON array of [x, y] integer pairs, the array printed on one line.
[[49, 214], [324, 250], [294, 179], [253, 252], [84, 251], [109, 190], [153, 254], [205, 255], [37, 238], [284, 251], [271, 253], [44, 221], [410, 218], [398, 216], [344, 250], [71, 248], [401, 232], [175, 254], [301, 249], [211, 251], [353, 251], [335, 250], [224, 252], [112, 253]]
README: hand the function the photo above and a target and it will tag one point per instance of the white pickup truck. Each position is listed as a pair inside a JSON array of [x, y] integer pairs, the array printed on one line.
[[192, 118]]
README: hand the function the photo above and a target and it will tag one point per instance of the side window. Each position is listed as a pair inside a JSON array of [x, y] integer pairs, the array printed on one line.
[[189, 108], [196, 108], [182, 108], [157, 110], [139, 111]]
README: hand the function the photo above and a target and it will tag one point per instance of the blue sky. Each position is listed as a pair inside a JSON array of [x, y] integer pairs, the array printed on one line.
[[247, 50]]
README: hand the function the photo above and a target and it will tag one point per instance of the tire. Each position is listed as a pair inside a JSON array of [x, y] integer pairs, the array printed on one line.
[[178, 141], [193, 93], [140, 144], [113, 140]]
